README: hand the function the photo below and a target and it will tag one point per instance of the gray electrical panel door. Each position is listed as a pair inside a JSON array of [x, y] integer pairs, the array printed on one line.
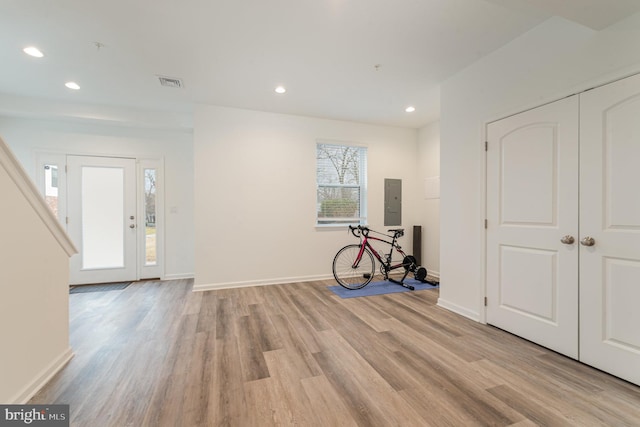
[[392, 202]]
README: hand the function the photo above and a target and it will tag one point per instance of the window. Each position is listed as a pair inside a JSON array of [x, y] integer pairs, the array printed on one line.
[[342, 185], [51, 181], [150, 214], [150, 234], [51, 187]]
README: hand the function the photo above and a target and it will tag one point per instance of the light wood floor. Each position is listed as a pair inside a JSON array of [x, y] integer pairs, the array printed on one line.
[[156, 354]]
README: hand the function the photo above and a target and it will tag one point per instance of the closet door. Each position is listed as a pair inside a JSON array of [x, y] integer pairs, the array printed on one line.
[[610, 215], [532, 203]]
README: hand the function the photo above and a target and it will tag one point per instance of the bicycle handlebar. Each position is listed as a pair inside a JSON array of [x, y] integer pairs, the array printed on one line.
[[359, 230], [363, 230]]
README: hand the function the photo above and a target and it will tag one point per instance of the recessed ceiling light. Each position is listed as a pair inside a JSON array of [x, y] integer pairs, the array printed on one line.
[[280, 89], [72, 85], [33, 51], [410, 109]]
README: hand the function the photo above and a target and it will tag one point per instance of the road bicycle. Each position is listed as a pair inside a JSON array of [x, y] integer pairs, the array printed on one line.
[[354, 265]]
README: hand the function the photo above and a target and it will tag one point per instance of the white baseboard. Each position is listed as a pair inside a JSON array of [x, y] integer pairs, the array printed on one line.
[[43, 378], [459, 309], [178, 276], [264, 282], [433, 273]]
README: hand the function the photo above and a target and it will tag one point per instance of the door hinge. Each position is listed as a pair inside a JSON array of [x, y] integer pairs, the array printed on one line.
[[485, 301], [486, 224], [66, 220], [66, 170], [486, 146]]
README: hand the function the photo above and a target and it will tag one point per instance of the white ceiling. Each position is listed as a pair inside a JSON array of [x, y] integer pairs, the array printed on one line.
[[234, 52]]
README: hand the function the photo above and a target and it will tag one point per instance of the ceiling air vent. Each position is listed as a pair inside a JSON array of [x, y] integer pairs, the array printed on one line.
[[170, 82]]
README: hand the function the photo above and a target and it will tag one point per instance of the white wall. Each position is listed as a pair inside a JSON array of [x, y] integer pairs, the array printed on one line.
[[429, 168], [255, 194], [27, 137], [553, 60], [34, 292]]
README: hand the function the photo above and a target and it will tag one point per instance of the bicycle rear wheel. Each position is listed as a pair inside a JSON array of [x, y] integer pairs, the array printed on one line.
[[349, 276]]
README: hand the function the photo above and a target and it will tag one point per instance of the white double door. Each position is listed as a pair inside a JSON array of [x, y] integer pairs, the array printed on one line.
[[563, 237]]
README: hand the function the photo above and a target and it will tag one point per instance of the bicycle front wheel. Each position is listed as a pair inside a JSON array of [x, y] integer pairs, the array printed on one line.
[[350, 275]]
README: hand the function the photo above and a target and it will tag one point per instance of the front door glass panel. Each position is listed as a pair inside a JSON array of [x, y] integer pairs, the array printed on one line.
[[102, 217]]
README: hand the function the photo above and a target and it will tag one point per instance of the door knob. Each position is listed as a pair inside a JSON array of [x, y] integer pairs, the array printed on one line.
[[568, 240], [588, 241], [132, 226]]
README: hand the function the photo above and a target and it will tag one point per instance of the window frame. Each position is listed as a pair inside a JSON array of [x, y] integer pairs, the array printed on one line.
[[361, 186]]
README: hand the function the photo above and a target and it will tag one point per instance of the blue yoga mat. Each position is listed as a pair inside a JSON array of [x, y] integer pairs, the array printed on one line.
[[379, 288]]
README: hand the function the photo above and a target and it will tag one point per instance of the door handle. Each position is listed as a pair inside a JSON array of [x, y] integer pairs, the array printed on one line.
[[588, 241], [568, 240], [132, 226]]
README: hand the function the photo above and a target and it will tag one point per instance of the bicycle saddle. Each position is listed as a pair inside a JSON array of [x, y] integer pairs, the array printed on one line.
[[397, 231]]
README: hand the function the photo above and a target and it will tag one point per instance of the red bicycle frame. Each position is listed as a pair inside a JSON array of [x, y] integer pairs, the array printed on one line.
[[364, 243]]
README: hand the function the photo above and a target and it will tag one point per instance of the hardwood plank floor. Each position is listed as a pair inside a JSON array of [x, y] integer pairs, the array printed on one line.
[[157, 354]]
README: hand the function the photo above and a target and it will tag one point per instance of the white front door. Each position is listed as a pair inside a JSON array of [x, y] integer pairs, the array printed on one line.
[[102, 218], [532, 203], [610, 215]]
